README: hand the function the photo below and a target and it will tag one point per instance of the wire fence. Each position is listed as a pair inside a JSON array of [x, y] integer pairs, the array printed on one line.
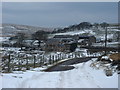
[[22, 61]]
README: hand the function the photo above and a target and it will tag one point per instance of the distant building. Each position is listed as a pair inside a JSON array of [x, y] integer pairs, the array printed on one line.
[[5, 44], [75, 37], [82, 40], [59, 44], [86, 40]]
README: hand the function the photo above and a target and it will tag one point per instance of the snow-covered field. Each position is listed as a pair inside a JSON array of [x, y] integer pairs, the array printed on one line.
[[76, 32], [4, 39], [82, 76]]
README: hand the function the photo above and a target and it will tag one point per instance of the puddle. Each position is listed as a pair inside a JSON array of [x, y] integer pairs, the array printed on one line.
[[75, 61], [64, 66], [60, 68]]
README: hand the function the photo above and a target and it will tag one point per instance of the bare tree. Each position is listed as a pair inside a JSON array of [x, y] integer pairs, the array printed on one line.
[[40, 36], [96, 25], [20, 38]]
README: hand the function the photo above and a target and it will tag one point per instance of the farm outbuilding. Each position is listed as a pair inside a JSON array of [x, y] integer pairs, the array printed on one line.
[[86, 40], [59, 44]]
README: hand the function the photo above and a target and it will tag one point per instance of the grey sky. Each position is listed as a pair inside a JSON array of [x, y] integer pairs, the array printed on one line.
[[53, 14]]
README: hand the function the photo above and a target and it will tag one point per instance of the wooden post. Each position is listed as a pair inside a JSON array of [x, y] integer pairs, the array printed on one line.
[[26, 63], [60, 56], [19, 65], [40, 60], [50, 59], [57, 57], [34, 61], [72, 55], [75, 54], [63, 56], [53, 58], [43, 59], [9, 63]]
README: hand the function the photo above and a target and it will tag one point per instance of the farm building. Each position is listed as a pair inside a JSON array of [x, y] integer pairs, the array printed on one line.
[[59, 44], [86, 40], [83, 40], [75, 37]]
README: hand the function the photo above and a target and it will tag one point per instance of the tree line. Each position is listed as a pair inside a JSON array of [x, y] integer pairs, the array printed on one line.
[[21, 37], [81, 26]]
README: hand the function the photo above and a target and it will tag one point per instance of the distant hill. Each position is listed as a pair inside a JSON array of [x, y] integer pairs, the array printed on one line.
[[12, 29]]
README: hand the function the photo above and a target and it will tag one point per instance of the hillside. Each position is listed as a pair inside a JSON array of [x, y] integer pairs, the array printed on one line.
[[12, 29]]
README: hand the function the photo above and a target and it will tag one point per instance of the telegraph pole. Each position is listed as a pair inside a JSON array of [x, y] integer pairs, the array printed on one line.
[[105, 40]]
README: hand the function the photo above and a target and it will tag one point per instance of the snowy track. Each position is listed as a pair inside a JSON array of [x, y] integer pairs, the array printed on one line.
[[82, 76]]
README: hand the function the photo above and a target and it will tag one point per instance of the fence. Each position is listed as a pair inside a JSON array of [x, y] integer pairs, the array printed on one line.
[[21, 61]]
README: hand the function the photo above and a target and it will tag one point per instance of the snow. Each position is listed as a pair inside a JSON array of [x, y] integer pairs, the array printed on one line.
[[76, 32], [1, 27], [4, 39], [114, 43], [9, 27], [0, 81], [116, 30], [105, 57], [83, 76], [102, 36]]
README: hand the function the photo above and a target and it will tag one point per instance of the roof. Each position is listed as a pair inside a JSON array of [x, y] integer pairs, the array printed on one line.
[[80, 40], [85, 37], [57, 40], [74, 36], [63, 36], [53, 40]]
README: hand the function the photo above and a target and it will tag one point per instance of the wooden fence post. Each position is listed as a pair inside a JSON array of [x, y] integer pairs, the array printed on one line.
[[72, 55], [34, 60], [40, 62], [60, 56], [75, 54], [50, 59], [43, 59], [57, 57], [9, 63], [53, 58], [19, 64], [26, 63]]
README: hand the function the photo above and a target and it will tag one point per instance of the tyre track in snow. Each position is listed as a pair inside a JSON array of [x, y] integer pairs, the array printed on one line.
[[25, 83], [62, 80], [67, 78], [88, 76]]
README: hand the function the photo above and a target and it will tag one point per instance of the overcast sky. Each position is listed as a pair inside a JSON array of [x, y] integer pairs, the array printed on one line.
[[58, 14]]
